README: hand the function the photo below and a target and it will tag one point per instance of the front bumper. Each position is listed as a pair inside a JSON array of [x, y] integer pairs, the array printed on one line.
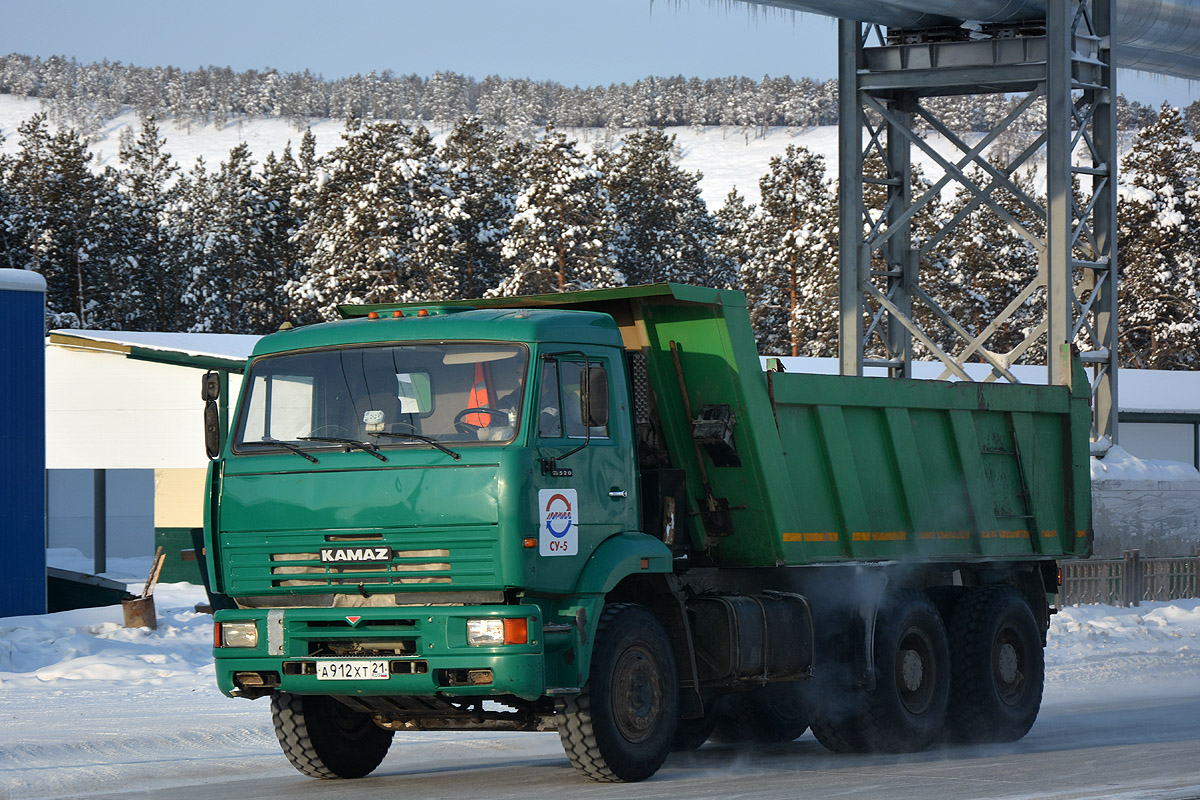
[[425, 649]]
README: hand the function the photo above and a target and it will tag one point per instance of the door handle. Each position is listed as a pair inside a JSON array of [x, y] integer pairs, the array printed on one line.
[[616, 493]]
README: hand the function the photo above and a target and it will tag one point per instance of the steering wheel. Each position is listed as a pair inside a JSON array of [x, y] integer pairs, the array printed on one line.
[[462, 426]]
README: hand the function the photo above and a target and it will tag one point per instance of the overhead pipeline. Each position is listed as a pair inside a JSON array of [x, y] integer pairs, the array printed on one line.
[[1161, 36]]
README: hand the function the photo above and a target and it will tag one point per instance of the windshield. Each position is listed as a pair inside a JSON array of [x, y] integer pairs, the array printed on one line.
[[412, 395]]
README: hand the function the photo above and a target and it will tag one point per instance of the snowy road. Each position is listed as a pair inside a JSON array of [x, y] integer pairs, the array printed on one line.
[[1097, 749], [91, 709]]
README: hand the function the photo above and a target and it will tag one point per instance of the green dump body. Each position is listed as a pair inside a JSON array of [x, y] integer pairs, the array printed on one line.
[[827, 469]]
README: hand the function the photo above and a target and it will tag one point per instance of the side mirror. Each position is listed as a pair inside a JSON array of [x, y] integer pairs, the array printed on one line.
[[210, 386], [593, 396], [212, 429]]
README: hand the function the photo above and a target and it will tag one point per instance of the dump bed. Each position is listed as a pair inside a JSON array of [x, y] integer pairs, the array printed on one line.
[[798, 469]]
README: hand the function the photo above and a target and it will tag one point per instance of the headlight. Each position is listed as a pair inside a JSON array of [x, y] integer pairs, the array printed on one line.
[[489, 632], [239, 634], [485, 632]]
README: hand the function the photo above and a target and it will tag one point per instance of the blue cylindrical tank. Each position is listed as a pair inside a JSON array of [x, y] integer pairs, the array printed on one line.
[[22, 443]]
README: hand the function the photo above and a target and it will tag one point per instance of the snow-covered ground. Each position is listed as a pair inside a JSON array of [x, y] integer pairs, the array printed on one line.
[[88, 706]]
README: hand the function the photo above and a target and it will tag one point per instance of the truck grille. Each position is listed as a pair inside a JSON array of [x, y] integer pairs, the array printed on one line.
[[405, 568], [257, 563]]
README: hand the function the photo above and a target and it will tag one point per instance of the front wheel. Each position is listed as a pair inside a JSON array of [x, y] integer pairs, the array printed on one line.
[[326, 739], [621, 725]]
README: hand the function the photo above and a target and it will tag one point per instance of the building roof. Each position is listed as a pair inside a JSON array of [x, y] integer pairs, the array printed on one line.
[[199, 350], [21, 280]]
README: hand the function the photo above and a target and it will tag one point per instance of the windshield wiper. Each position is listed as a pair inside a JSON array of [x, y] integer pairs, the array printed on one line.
[[366, 447], [285, 445], [421, 438]]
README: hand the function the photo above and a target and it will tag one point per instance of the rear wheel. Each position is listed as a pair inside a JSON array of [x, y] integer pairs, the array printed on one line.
[[325, 739], [773, 713], [999, 666], [621, 725], [907, 708]]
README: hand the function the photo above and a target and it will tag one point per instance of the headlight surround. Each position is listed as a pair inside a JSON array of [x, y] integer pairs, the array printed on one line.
[[239, 634], [496, 631]]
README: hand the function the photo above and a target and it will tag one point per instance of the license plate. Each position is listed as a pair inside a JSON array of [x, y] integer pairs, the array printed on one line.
[[352, 670]]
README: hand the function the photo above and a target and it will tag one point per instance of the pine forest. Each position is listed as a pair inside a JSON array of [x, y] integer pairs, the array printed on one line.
[[507, 202]]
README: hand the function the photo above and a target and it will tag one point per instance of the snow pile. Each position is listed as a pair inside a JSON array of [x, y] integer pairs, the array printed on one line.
[[1121, 466], [90, 646], [1144, 504], [1149, 650]]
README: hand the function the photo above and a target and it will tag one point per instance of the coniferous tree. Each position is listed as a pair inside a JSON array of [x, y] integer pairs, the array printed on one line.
[[482, 181], [10, 213], [791, 278], [356, 238], [153, 295], [1158, 216], [434, 235], [281, 178], [662, 228], [559, 236], [227, 292], [734, 246], [57, 224]]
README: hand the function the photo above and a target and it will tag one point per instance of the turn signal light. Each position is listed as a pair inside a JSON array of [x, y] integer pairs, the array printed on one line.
[[516, 630]]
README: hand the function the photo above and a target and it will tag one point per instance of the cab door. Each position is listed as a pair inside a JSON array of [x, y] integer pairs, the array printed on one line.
[[585, 476]]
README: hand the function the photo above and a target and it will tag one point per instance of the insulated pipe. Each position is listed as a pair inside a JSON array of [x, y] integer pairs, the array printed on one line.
[[1160, 36]]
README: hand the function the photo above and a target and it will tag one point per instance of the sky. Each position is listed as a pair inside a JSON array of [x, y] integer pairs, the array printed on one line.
[[572, 42]]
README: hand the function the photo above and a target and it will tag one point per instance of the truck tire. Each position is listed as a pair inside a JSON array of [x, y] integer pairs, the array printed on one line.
[[690, 734], [325, 739], [906, 711], [839, 730], [998, 666], [768, 715], [621, 725]]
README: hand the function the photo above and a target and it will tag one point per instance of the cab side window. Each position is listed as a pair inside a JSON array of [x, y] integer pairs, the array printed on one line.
[[550, 405], [560, 402]]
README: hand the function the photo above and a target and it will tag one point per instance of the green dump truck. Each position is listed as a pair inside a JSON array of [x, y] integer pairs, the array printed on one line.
[[596, 513]]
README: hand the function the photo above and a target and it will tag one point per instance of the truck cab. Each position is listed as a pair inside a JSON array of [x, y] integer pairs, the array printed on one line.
[[408, 504]]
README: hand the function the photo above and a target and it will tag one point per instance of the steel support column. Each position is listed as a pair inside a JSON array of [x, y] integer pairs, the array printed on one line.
[[850, 200], [1061, 74]]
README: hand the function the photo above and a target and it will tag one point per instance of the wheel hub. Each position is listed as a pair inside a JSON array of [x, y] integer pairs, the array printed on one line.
[[637, 695], [1006, 663], [914, 667], [912, 670]]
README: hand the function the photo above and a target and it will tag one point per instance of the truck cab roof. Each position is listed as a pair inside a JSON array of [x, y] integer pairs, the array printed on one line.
[[448, 323]]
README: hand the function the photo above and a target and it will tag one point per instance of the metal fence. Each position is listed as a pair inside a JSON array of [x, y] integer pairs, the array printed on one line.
[[1128, 581]]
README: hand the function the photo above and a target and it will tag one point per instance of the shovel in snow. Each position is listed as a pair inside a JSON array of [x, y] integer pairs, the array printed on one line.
[[139, 612]]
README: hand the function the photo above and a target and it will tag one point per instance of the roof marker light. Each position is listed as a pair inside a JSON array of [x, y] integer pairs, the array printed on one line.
[[373, 315], [397, 313], [422, 313]]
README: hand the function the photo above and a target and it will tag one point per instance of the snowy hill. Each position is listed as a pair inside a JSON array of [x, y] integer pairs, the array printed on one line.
[[727, 159]]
